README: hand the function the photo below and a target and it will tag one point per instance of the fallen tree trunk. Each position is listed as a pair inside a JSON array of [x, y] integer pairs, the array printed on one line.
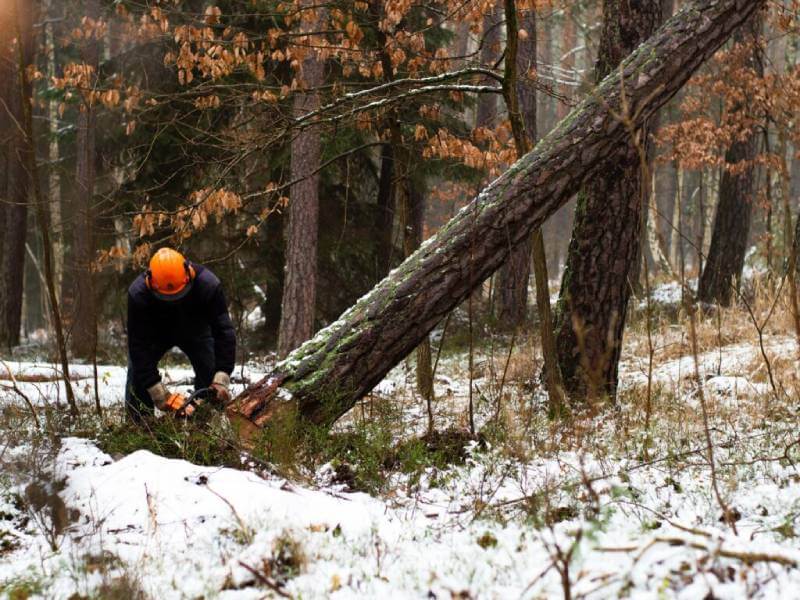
[[325, 377]]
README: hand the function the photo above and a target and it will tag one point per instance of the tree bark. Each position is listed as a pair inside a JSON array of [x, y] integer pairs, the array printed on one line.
[[15, 226], [604, 249], [324, 378], [300, 284], [84, 317], [725, 262]]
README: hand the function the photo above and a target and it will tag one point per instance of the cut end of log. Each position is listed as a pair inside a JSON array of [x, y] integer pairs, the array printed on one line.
[[258, 402]]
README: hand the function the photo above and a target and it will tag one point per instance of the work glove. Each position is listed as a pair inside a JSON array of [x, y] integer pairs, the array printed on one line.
[[159, 394], [220, 385], [170, 402]]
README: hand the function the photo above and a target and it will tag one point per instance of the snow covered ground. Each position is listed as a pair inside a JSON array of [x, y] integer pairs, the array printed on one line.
[[603, 509], [183, 531]]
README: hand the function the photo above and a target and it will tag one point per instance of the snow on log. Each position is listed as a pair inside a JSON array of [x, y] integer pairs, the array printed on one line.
[[327, 375]]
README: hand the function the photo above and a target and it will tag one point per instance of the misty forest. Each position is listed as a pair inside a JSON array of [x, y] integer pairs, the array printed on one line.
[[399, 298]]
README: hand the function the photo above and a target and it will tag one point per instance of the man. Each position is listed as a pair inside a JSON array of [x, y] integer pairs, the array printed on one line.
[[176, 303]]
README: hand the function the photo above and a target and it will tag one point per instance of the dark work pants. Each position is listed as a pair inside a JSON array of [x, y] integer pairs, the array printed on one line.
[[199, 351]]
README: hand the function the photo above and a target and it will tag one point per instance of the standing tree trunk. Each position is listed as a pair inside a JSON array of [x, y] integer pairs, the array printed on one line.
[[650, 249], [15, 226], [84, 317], [326, 376], [384, 223], [512, 287], [520, 105], [23, 27], [300, 284], [6, 88], [655, 248], [486, 113], [604, 249], [723, 270], [53, 177], [676, 229], [414, 225]]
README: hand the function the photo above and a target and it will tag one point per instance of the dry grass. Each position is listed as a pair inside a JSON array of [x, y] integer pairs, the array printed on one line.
[[728, 343]]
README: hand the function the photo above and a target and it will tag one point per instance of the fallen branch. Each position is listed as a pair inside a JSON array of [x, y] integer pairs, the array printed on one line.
[[746, 557], [15, 388], [264, 580]]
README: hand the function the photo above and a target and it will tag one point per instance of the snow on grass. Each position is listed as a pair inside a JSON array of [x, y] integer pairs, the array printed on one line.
[[187, 531], [622, 513]]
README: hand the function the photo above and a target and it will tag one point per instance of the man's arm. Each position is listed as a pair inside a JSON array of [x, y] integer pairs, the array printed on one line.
[[144, 363], [223, 332]]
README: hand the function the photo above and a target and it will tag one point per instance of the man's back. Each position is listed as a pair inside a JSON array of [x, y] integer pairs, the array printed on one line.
[[175, 321]]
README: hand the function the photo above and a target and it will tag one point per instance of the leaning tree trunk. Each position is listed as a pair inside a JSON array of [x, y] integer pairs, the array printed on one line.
[[15, 226], [725, 261], [84, 318], [606, 237], [324, 378], [300, 284]]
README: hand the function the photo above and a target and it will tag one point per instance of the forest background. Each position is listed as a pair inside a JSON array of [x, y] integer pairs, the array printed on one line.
[[302, 151]]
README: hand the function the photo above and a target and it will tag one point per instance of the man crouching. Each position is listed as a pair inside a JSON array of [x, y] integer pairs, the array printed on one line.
[[177, 303]]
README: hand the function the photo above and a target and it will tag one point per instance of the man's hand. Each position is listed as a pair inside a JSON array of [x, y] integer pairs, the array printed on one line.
[[220, 385], [159, 395], [172, 403]]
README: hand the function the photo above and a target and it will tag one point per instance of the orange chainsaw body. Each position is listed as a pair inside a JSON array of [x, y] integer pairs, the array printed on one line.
[[180, 405]]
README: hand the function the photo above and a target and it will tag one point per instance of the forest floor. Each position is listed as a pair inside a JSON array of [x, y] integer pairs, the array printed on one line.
[[618, 501]]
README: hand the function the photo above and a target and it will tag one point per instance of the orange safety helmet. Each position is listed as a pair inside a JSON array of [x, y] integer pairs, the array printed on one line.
[[170, 275]]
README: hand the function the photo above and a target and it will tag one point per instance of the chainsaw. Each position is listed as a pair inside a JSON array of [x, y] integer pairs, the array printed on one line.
[[182, 405]]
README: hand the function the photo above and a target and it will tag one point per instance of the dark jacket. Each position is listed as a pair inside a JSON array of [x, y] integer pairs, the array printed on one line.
[[155, 326]]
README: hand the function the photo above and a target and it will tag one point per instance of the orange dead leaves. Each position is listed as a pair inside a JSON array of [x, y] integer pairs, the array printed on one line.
[[212, 15], [203, 205]]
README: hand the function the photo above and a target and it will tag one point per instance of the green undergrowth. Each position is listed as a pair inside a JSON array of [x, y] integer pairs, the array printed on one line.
[[21, 588], [202, 442], [363, 455]]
